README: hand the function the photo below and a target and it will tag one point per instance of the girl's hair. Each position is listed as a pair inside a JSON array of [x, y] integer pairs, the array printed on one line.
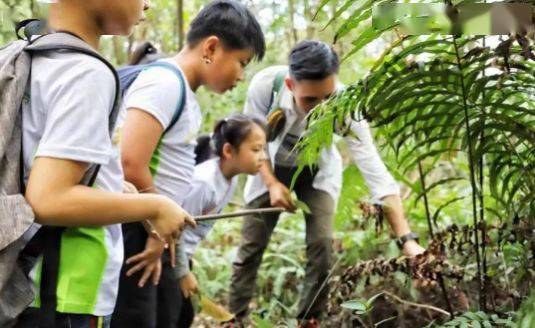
[[145, 53], [203, 150], [233, 130]]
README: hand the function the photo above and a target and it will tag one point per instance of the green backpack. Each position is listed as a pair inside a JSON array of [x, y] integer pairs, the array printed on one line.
[[275, 116]]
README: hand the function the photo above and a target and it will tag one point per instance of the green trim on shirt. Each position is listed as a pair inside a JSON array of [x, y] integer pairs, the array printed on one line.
[[156, 158], [37, 282], [83, 259], [81, 272]]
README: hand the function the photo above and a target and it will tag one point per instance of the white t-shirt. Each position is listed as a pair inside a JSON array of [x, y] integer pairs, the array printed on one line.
[[329, 179], [157, 92], [66, 116], [210, 192]]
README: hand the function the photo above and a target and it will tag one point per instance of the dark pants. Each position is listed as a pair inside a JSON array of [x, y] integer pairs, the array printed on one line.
[[149, 306], [30, 319], [187, 314], [256, 233]]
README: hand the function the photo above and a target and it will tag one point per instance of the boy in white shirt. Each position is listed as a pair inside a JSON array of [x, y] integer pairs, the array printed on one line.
[[222, 40], [66, 120]]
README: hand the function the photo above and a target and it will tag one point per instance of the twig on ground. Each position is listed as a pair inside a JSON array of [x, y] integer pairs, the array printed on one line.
[[423, 306]]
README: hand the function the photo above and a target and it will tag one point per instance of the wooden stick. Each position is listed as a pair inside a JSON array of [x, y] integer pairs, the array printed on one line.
[[425, 306], [201, 218]]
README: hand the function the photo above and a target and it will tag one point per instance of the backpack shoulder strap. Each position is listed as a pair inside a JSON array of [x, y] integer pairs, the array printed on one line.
[[182, 100], [278, 84], [31, 27], [65, 41]]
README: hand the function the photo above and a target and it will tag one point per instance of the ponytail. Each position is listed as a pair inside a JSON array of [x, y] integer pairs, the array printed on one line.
[[204, 150], [144, 54]]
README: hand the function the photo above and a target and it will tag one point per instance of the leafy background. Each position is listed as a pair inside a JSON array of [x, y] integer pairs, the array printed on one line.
[[454, 121]]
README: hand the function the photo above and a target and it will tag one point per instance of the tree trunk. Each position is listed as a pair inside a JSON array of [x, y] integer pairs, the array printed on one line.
[[180, 22], [33, 9], [131, 40], [293, 31], [120, 55], [309, 13]]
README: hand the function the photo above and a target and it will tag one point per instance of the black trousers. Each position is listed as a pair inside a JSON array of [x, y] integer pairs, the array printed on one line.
[[149, 306], [187, 313], [30, 318]]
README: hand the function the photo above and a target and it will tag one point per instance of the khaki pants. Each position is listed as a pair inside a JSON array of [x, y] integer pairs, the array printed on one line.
[[256, 233]]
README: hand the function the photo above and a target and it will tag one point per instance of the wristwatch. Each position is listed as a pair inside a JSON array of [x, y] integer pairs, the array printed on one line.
[[405, 238]]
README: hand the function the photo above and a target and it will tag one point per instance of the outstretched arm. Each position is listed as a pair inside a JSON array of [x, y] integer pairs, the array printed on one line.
[[279, 194], [393, 210], [383, 187]]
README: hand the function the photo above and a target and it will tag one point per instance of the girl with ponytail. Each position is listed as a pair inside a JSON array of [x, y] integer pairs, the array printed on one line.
[[237, 146]]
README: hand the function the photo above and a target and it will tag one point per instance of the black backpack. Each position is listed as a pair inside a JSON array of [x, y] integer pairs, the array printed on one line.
[[128, 74]]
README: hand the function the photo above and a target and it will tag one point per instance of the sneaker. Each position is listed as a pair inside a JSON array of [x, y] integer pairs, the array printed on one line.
[[310, 323], [234, 323]]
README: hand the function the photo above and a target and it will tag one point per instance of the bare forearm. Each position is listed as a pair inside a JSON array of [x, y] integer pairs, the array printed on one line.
[[141, 134], [267, 174], [83, 206], [393, 209], [140, 176]]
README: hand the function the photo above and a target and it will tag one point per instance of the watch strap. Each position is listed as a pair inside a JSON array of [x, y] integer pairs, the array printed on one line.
[[405, 238]]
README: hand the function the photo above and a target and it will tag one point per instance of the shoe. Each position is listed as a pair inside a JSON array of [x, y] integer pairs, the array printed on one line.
[[234, 323], [310, 323]]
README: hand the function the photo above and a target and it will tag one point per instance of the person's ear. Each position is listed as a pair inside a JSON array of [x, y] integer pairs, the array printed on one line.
[[209, 48], [228, 151], [290, 83]]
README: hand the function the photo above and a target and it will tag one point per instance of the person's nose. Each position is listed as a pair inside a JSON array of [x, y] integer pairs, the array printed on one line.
[[263, 156], [241, 76]]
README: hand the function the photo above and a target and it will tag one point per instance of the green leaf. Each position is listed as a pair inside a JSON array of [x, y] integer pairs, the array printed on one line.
[[372, 299], [320, 7], [365, 37], [355, 305], [302, 206], [261, 322], [471, 316]]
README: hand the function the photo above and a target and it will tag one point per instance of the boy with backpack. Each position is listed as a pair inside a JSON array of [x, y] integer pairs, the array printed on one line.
[[58, 130], [285, 95], [161, 126]]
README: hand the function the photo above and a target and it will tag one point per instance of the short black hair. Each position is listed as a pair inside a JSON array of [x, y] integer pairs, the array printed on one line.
[[230, 21], [313, 60]]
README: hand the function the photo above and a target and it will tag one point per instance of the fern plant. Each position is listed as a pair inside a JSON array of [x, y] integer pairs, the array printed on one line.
[[478, 320], [466, 98], [439, 98]]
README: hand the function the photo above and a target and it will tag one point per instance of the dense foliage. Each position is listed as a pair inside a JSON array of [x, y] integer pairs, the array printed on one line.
[[457, 113], [454, 121]]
